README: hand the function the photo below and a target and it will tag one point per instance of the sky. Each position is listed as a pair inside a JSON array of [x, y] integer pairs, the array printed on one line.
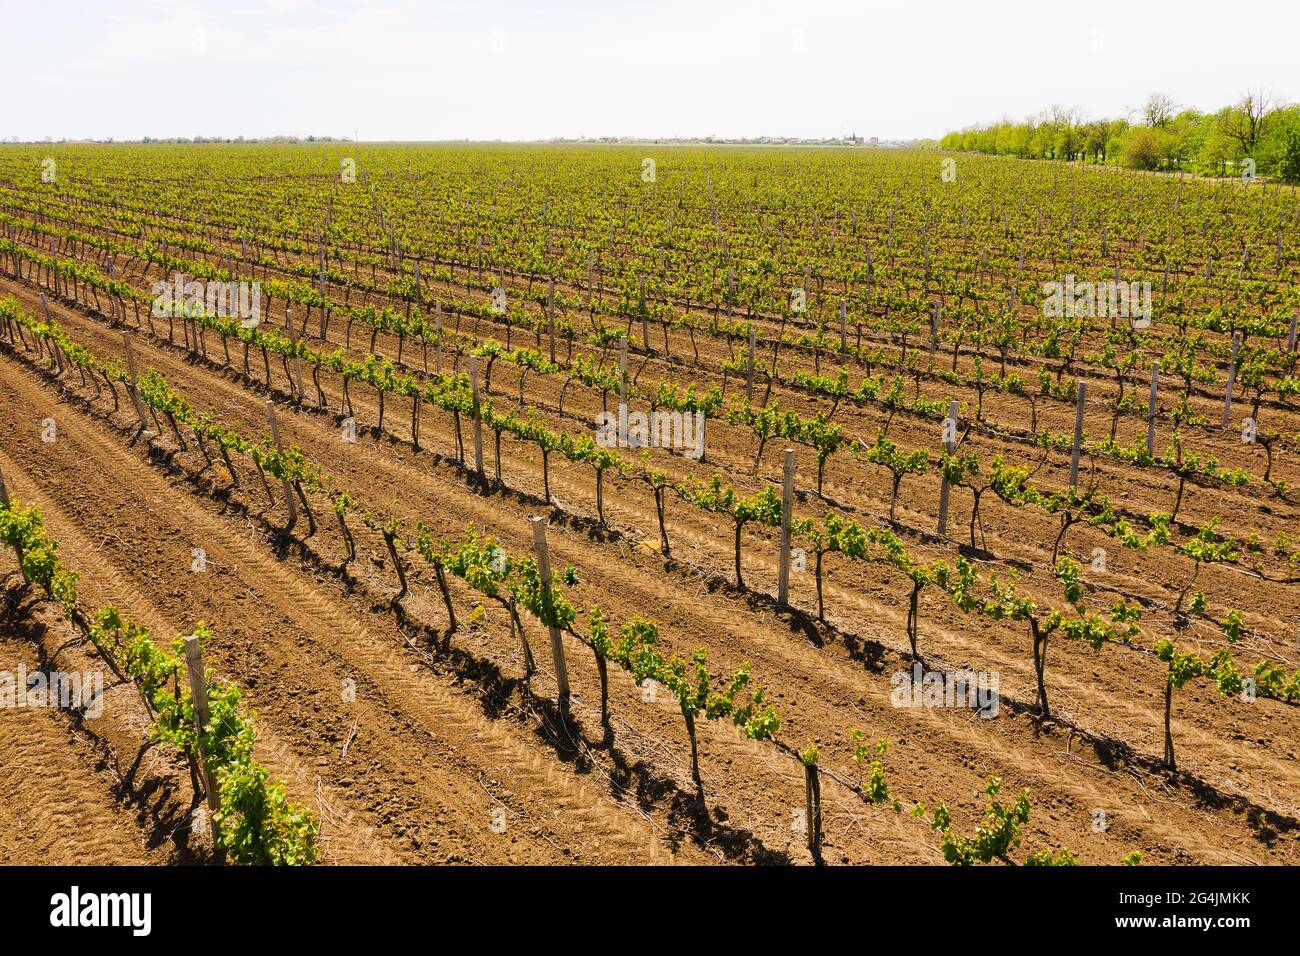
[[509, 70]]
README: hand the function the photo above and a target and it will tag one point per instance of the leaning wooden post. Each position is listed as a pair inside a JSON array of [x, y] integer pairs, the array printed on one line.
[[478, 415], [199, 700], [133, 385], [4, 502], [284, 482], [1290, 338], [749, 373], [1232, 378], [787, 509], [1151, 409], [1078, 437], [949, 446], [557, 645]]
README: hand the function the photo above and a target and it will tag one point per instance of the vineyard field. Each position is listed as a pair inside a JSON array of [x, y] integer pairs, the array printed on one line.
[[647, 505]]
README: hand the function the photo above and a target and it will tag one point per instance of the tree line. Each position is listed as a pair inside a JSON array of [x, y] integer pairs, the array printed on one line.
[[1161, 135]]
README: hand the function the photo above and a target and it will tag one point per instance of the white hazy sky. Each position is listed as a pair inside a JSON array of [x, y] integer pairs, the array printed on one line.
[[504, 69]]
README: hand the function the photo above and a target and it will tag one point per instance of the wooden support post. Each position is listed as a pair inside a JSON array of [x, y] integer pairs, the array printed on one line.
[[557, 645], [284, 482], [934, 327], [787, 511], [813, 810], [415, 420], [478, 415], [199, 700], [1290, 337], [324, 309], [749, 371], [133, 387], [1151, 409], [950, 446], [1232, 379], [844, 326], [1078, 437]]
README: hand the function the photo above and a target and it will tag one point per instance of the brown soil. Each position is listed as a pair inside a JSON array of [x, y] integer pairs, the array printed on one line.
[[436, 741]]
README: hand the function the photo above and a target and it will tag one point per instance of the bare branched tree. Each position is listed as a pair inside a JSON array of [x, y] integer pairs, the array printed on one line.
[[1244, 122], [1159, 110]]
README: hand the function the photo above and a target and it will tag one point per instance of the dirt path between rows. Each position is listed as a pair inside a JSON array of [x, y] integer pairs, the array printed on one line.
[[824, 689]]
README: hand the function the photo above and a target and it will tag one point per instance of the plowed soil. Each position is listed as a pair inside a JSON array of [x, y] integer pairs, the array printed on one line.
[[445, 755]]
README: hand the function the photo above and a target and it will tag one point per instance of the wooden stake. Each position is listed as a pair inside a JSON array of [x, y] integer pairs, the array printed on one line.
[[844, 326], [284, 482], [478, 415], [134, 387], [1078, 437], [813, 810], [1232, 378], [557, 645], [199, 700], [787, 509], [934, 327]]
